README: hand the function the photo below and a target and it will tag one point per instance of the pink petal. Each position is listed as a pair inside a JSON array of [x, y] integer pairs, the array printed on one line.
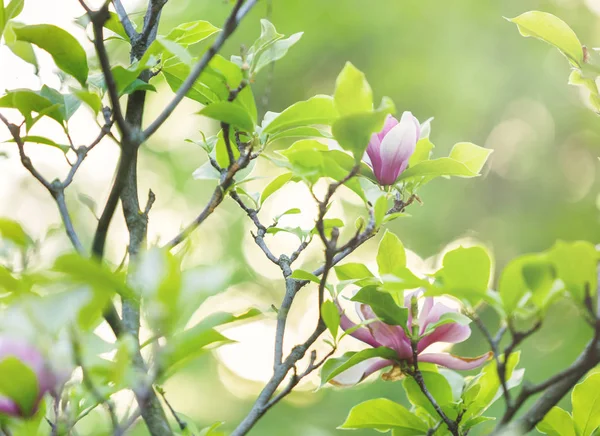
[[397, 147], [359, 372], [433, 315], [390, 336], [390, 123], [451, 361], [362, 333], [9, 407], [450, 333]]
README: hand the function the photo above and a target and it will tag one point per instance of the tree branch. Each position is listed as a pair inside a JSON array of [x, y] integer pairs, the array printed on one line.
[[125, 21], [240, 10]]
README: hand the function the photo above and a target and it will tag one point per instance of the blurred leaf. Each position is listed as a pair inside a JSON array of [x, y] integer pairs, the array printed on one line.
[[353, 93], [390, 254], [66, 51], [354, 131], [557, 422], [12, 231], [19, 383], [465, 273], [206, 172], [88, 271], [577, 78], [438, 387], [273, 186], [586, 405], [316, 110], [552, 30], [576, 264], [473, 156], [337, 365], [383, 305], [331, 317], [383, 415], [229, 113]]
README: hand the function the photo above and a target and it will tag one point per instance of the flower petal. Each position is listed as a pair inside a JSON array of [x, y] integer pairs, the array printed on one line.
[[390, 123], [362, 333], [451, 361], [9, 407], [390, 336], [397, 147], [359, 372]]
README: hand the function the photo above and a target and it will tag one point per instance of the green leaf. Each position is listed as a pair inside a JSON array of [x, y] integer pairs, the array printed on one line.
[[275, 51], [380, 210], [473, 156], [229, 113], [67, 104], [14, 9], [334, 367], [557, 422], [66, 51], [42, 140], [552, 30], [114, 25], [353, 93], [19, 383], [275, 184], [300, 274], [383, 305], [316, 110], [12, 231], [84, 270], [175, 74], [354, 131], [586, 405], [90, 98], [27, 101], [331, 317], [391, 254], [575, 264], [430, 169], [422, 152], [438, 387], [173, 48], [191, 33], [300, 132], [466, 272], [383, 415], [352, 271]]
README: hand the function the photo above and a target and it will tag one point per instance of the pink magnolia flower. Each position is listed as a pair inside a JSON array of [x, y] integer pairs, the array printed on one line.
[[378, 334], [32, 358], [389, 150]]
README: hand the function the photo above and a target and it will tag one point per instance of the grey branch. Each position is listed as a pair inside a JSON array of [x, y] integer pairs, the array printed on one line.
[[125, 21]]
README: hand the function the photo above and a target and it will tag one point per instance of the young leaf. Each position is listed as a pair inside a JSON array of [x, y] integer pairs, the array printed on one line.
[[230, 113], [575, 264], [42, 140], [557, 422], [552, 30], [390, 254], [353, 93], [12, 231], [430, 169], [331, 317], [334, 367], [352, 271], [191, 33], [586, 405], [19, 383], [473, 156], [383, 305], [316, 110], [438, 387], [300, 274], [383, 415], [276, 51], [276, 184], [66, 51], [466, 273], [354, 131]]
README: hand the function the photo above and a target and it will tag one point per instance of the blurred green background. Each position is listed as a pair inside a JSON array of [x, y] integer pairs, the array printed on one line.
[[462, 63]]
